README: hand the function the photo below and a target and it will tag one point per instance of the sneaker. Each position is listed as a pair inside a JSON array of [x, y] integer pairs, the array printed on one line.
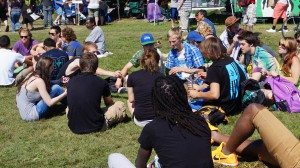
[[122, 90], [212, 128], [284, 30], [219, 157], [271, 30]]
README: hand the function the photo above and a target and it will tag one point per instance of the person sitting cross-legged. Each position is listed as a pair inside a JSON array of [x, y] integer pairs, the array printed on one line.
[[35, 93], [85, 92], [179, 137], [184, 58], [139, 85], [278, 146], [148, 43], [8, 59]]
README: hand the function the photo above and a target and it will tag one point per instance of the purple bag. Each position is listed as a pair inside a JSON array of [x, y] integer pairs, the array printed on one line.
[[286, 94]]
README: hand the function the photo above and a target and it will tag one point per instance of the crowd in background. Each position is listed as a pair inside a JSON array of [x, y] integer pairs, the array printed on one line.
[[179, 100]]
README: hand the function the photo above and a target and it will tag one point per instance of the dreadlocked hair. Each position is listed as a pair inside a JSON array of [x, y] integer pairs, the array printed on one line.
[[170, 102], [42, 70]]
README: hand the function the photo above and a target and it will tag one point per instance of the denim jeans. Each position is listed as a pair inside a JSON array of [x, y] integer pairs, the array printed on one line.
[[47, 12], [14, 17], [42, 107]]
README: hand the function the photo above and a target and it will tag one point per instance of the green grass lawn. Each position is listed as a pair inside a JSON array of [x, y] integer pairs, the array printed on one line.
[[50, 143]]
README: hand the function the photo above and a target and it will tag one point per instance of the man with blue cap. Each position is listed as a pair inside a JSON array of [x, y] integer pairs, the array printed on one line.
[[147, 41]]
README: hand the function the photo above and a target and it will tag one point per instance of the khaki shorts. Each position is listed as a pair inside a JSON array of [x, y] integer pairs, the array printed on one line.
[[93, 12], [279, 141], [114, 114]]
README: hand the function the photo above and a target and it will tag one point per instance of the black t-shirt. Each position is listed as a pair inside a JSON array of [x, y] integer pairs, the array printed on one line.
[[142, 82], [229, 75], [84, 98], [62, 71], [59, 59], [175, 146]]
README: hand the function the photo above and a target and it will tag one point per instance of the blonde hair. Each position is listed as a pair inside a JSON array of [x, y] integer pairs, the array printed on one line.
[[175, 31], [204, 29]]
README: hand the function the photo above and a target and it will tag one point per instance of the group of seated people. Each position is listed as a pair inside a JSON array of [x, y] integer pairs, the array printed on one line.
[[202, 68]]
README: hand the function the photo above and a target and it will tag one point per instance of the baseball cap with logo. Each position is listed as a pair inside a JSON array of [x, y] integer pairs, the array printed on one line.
[[147, 38]]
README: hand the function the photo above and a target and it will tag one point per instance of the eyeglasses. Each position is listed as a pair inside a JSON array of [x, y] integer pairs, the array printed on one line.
[[23, 37], [281, 45], [52, 34]]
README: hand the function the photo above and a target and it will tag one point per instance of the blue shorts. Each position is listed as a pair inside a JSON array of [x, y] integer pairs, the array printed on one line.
[[174, 13], [59, 11]]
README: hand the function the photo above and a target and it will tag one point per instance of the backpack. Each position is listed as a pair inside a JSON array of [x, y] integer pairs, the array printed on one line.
[[285, 93], [243, 3], [251, 93]]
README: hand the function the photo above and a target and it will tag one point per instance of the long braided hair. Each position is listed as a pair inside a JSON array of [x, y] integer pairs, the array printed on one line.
[[170, 102]]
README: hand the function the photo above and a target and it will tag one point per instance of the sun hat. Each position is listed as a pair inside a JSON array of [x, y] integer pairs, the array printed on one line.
[[231, 20], [147, 38]]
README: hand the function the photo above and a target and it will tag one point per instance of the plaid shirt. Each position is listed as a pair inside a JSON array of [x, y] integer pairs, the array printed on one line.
[[193, 57]]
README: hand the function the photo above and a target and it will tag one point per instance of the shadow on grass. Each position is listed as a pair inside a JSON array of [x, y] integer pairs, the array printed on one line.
[[126, 120], [56, 110]]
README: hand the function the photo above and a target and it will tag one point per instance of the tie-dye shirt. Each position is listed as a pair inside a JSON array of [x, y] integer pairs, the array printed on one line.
[[262, 60]]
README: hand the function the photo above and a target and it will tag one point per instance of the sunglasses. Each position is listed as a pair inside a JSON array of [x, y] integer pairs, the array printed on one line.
[[52, 34], [23, 37]]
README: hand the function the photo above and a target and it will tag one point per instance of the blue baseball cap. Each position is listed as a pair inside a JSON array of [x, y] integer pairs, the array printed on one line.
[[147, 38], [194, 36]]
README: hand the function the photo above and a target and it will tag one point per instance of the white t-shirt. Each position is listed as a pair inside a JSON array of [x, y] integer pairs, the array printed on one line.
[[8, 59], [174, 4], [236, 49], [93, 4], [182, 63]]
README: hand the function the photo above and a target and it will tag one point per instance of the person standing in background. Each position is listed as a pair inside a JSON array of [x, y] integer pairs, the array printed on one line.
[[27, 9], [14, 9], [4, 14], [279, 11], [174, 12], [93, 9], [184, 8], [47, 12], [249, 15]]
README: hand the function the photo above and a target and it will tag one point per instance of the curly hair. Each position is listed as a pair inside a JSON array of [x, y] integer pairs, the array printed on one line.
[[204, 29], [25, 30], [69, 34]]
